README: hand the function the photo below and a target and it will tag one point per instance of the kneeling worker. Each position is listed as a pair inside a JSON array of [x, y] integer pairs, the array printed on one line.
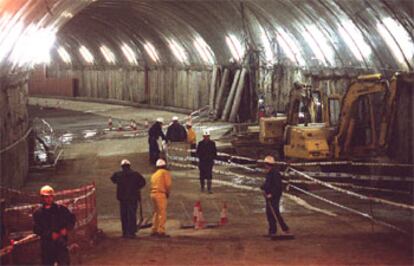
[[160, 191]]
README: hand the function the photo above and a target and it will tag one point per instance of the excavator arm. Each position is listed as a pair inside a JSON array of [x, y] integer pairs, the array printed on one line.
[[358, 100]]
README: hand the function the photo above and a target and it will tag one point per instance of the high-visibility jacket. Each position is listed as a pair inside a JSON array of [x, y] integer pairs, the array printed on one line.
[[191, 136], [161, 182]]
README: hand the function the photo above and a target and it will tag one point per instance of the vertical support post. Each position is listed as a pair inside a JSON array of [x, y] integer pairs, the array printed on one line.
[[237, 97]]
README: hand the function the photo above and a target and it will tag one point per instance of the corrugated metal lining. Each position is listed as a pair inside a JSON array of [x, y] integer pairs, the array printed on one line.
[[317, 26]]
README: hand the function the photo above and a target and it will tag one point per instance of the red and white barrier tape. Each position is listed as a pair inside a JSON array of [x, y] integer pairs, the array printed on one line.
[[64, 201], [373, 199], [365, 215]]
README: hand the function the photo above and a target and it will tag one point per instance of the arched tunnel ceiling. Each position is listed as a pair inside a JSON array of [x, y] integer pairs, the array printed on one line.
[[331, 33]]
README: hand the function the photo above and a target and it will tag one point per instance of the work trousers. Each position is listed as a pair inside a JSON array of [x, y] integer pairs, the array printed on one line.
[[206, 172], [159, 202], [128, 217], [271, 219], [154, 150], [55, 251]]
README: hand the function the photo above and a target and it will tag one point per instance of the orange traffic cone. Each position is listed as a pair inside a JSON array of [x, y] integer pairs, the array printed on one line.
[[195, 211], [120, 128], [223, 215], [110, 123], [200, 222]]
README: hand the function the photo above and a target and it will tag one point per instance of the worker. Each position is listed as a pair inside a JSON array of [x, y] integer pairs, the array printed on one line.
[[160, 192], [261, 108], [191, 138], [52, 223], [128, 185], [176, 132], [272, 190], [154, 133], [206, 153]]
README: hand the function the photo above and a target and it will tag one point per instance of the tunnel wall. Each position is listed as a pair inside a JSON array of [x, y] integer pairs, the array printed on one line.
[[190, 88], [165, 86], [14, 130]]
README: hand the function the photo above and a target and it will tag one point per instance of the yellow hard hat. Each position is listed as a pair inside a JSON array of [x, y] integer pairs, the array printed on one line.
[[47, 191]]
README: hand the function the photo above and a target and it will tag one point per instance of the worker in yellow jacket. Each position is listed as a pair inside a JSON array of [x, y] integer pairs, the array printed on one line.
[[191, 138], [160, 191]]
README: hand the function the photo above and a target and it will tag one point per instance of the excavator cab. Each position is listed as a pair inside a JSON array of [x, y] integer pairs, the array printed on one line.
[[312, 116]]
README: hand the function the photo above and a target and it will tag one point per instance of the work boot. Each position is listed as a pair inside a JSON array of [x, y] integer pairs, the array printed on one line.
[[163, 235], [131, 236], [209, 186]]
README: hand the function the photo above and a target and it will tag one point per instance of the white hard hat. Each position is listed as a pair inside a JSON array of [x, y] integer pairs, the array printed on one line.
[[47, 191], [269, 159], [160, 120], [206, 132], [261, 101], [175, 118], [160, 162], [125, 162]]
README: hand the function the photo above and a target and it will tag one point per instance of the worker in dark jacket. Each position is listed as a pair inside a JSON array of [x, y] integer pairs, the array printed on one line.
[[154, 133], [206, 153], [272, 189], [176, 132], [128, 183], [52, 223]]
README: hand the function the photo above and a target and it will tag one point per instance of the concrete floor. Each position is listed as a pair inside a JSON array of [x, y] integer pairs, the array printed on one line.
[[343, 239]]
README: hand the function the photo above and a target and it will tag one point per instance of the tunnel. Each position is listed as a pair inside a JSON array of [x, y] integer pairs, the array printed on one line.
[[226, 57]]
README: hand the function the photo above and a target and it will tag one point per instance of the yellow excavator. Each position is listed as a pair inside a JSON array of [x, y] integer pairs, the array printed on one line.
[[311, 121], [315, 131]]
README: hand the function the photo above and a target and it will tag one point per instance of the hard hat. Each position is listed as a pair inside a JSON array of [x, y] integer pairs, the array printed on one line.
[[175, 118], [160, 120], [160, 162], [261, 101], [125, 162], [47, 191], [206, 132], [269, 159]]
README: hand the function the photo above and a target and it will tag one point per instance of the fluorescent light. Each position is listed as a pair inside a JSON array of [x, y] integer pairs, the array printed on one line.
[[235, 46], [108, 54], [389, 28], [129, 54], [204, 50], [33, 45], [354, 40], [151, 51], [321, 49], [86, 54], [178, 51], [290, 47], [64, 55]]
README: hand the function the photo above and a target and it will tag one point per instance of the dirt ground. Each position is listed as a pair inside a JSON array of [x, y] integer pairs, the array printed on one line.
[[320, 239]]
